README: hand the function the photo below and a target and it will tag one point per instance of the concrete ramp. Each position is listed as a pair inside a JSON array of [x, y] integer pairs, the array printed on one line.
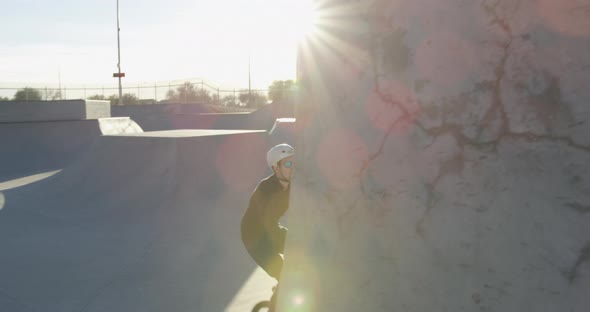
[[143, 222], [35, 147], [283, 130]]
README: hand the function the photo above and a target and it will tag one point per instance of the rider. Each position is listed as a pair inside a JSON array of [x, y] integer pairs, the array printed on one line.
[[262, 234]]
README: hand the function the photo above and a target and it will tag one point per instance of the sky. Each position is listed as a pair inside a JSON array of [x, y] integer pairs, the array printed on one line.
[[75, 42]]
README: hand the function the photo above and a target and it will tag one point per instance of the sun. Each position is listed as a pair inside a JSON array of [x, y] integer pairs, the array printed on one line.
[[304, 18]]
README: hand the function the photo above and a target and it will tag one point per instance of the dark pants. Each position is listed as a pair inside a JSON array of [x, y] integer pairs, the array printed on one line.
[[267, 257]]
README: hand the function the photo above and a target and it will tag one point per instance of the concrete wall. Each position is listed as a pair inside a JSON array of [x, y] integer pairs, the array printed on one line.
[[155, 117], [30, 111], [444, 159]]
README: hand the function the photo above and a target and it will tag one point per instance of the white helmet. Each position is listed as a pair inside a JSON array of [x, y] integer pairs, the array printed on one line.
[[278, 153]]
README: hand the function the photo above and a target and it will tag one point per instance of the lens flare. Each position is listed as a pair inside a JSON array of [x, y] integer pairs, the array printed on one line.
[[304, 18], [341, 155], [567, 17], [298, 300]]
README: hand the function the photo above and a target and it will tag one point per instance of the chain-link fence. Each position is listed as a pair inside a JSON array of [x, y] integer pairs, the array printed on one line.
[[141, 93]]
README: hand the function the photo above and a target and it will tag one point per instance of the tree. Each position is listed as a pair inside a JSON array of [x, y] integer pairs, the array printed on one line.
[[114, 99], [187, 93], [130, 99], [97, 97], [243, 97], [52, 94], [229, 100], [184, 93], [203, 96], [258, 100], [4, 98], [215, 99], [127, 99], [28, 94], [281, 90]]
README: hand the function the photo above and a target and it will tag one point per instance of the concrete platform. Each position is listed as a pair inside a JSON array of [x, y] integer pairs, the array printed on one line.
[[31, 111]]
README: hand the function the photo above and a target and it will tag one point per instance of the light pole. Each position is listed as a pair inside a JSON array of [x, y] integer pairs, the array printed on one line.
[[119, 74], [249, 81]]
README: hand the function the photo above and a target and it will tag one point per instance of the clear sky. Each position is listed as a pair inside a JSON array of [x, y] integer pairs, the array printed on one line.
[[160, 40]]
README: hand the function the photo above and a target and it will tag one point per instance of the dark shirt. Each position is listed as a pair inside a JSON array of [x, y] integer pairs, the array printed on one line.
[[262, 234]]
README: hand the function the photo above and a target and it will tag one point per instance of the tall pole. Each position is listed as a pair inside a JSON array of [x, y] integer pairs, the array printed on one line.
[[119, 56], [249, 82], [59, 82]]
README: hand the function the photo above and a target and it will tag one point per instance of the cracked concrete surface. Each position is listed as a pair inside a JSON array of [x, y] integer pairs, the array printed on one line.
[[471, 190]]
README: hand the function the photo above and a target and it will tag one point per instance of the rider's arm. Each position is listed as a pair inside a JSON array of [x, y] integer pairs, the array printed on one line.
[[282, 236]]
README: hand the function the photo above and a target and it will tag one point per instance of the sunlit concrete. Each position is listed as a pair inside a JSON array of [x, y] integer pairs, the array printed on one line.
[[6, 185]]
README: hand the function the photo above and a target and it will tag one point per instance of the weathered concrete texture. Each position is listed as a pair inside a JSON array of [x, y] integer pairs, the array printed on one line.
[[35, 147], [140, 223], [31, 111], [444, 158]]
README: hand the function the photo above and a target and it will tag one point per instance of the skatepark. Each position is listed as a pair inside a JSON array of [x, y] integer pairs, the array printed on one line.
[[97, 214], [442, 164]]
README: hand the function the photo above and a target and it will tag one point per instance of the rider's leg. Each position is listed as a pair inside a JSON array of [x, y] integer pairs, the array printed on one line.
[[273, 299]]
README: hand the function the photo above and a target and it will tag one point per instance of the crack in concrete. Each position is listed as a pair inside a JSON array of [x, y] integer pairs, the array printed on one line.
[[451, 166], [582, 209], [406, 116], [531, 137], [430, 203], [456, 130], [500, 72], [341, 218], [496, 110], [584, 256]]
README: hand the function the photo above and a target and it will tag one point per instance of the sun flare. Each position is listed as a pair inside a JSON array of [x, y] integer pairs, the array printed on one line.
[[305, 18]]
